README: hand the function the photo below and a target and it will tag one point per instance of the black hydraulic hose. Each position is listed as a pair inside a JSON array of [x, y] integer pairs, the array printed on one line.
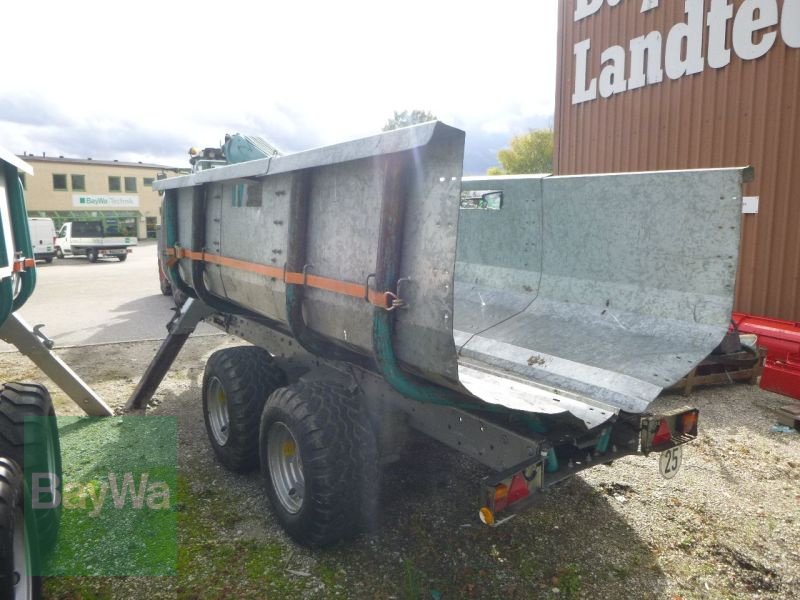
[[198, 243], [170, 233], [296, 256]]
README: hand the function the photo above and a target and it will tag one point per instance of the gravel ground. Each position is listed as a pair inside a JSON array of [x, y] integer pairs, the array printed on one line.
[[726, 527]]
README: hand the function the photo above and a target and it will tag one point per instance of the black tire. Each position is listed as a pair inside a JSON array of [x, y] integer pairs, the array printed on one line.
[[17, 401], [48, 260], [91, 254], [122, 257], [338, 454], [247, 375], [59, 253], [12, 516]]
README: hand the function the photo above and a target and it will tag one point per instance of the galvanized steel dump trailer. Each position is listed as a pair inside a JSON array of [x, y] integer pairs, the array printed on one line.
[[527, 321]]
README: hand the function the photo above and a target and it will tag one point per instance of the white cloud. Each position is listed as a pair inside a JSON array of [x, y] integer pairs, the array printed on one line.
[[300, 73]]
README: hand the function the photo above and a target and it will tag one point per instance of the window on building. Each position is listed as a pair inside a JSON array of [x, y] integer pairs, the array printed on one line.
[[130, 184], [59, 182], [24, 182], [78, 183], [114, 184], [148, 182]]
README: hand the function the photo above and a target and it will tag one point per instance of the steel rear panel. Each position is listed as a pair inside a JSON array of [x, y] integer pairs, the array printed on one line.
[[611, 287]]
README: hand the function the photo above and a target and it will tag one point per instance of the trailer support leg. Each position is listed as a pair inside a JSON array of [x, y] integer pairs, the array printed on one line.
[[180, 328], [17, 332]]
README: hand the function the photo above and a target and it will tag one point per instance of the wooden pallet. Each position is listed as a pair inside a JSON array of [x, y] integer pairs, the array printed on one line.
[[789, 415], [719, 369]]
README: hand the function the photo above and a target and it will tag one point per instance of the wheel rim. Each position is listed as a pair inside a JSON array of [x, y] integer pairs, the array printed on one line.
[[23, 587], [285, 467], [217, 403]]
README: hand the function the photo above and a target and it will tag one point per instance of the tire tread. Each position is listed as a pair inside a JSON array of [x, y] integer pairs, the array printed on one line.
[[248, 375], [339, 455]]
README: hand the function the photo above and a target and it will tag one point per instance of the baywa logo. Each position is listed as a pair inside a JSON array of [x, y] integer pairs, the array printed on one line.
[[114, 491], [95, 496]]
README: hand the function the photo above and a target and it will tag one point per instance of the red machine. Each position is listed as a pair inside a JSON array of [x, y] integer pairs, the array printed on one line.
[[782, 341]]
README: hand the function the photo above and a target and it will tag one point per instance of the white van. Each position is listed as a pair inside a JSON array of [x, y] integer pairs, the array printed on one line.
[[43, 238]]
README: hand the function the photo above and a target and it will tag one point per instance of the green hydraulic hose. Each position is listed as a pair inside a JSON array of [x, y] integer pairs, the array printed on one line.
[[170, 229], [22, 235]]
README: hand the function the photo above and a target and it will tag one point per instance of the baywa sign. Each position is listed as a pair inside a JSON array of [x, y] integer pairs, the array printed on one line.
[[757, 25]]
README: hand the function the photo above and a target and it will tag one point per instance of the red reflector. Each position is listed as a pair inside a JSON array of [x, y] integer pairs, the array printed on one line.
[[663, 434], [518, 489]]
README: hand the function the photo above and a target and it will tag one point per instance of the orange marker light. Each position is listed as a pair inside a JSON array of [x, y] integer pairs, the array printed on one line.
[[500, 496], [689, 423], [487, 518]]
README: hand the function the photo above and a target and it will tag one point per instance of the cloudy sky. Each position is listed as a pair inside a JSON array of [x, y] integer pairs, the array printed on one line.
[[146, 80]]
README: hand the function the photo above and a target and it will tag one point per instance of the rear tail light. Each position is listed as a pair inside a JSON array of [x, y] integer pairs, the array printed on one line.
[[500, 496], [688, 423], [663, 436], [519, 488], [663, 432], [509, 488]]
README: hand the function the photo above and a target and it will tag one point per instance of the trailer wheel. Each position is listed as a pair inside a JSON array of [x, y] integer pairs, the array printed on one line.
[[236, 384], [91, 254], [18, 556], [319, 462], [43, 449]]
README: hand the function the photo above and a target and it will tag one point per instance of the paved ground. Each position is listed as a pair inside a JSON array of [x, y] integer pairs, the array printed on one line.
[[84, 303]]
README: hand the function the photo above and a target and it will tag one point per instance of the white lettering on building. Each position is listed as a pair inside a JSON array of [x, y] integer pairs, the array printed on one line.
[[104, 201], [757, 25]]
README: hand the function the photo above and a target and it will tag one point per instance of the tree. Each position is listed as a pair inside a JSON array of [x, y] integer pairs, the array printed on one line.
[[530, 152], [406, 118]]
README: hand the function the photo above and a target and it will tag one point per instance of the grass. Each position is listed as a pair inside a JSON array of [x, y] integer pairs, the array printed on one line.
[[412, 582], [570, 581], [212, 564], [202, 548]]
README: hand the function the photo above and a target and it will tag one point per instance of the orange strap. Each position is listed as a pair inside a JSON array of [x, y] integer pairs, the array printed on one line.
[[25, 263], [385, 300]]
